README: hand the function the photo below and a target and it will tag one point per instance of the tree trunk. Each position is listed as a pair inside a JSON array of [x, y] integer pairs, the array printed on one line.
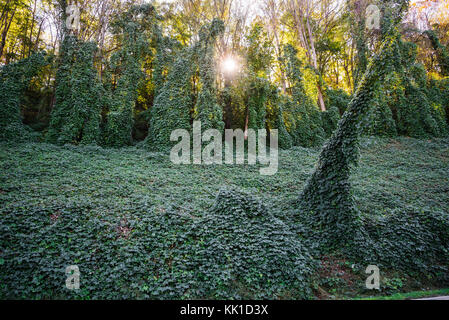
[[5, 31], [315, 65], [228, 106]]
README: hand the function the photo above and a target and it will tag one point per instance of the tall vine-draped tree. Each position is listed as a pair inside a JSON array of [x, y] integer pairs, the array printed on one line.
[[327, 199], [380, 118], [174, 102], [75, 117], [171, 109], [357, 23], [415, 115], [14, 79], [275, 100], [305, 125], [131, 27], [259, 59], [401, 104], [441, 51], [166, 49], [206, 108]]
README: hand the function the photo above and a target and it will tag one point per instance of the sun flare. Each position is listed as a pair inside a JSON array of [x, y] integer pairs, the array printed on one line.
[[229, 65]]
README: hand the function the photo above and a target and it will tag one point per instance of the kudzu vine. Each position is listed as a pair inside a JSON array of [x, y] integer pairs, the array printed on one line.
[[275, 101], [305, 125], [402, 104], [175, 106], [326, 202], [441, 51], [14, 79], [131, 26], [206, 108], [171, 109], [75, 117], [259, 58]]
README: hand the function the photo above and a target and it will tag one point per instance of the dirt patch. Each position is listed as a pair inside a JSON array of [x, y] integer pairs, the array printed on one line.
[[395, 144], [335, 275], [123, 230]]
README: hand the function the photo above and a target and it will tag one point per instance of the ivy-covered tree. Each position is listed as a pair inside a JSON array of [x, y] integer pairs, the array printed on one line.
[[75, 117], [380, 120], [171, 109], [206, 108], [401, 105], [259, 58], [357, 21], [441, 51], [415, 116], [438, 93], [131, 27], [274, 99], [14, 79], [257, 99], [166, 49], [174, 102], [327, 200], [305, 126]]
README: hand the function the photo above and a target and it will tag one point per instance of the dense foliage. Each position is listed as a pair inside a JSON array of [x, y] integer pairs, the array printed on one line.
[[114, 85], [402, 104], [137, 228], [174, 106], [275, 101], [441, 51], [409, 239], [126, 63], [171, 109], [14, 79], [206, 108], [248, 253], [327, 198], [75, 117], [305, 124], [259, 60]]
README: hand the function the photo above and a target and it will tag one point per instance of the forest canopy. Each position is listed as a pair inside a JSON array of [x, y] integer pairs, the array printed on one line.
[[127, 71]]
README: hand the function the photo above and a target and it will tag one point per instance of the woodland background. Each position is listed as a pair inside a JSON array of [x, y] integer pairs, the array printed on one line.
[[297, 66]]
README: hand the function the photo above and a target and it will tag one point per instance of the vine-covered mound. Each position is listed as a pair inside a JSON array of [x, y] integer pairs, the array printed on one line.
[[412, 240], [238, 250], [247, 252]]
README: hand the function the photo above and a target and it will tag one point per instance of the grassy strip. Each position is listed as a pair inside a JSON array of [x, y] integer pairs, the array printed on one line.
[[409, 295]]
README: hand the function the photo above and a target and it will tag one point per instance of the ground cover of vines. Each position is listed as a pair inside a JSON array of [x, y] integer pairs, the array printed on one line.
[[138, 228]]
